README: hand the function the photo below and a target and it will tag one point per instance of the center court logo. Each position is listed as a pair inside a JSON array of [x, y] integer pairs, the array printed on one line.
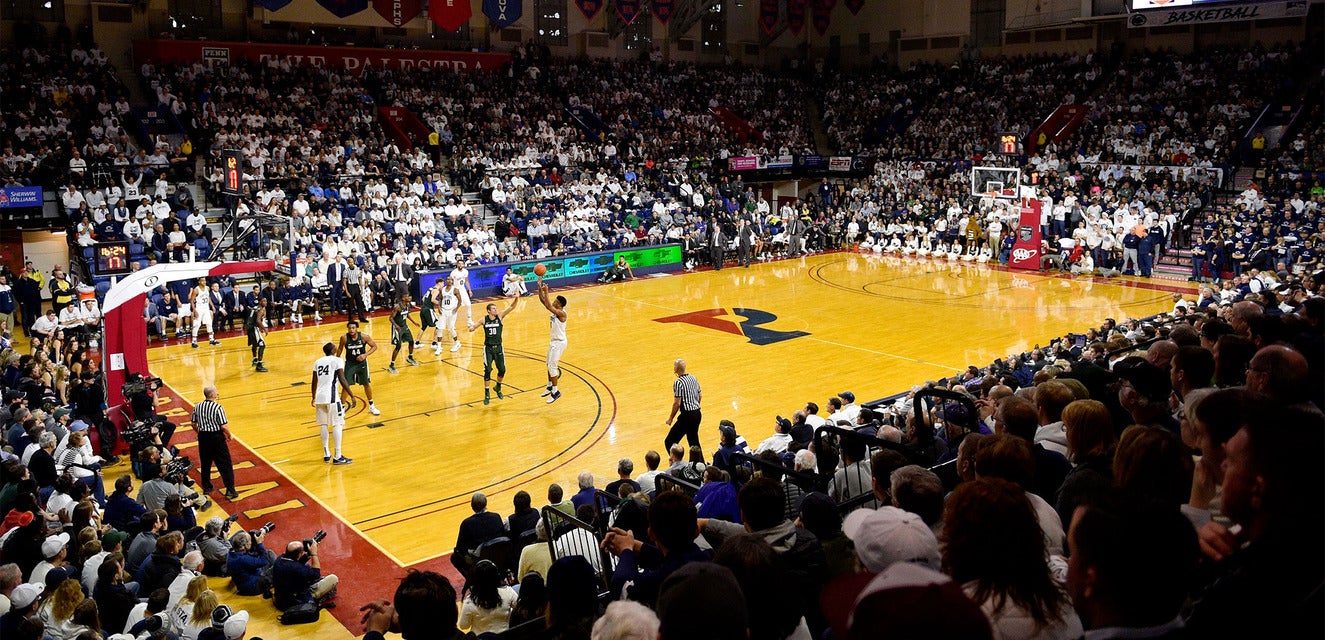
[[751, 327]]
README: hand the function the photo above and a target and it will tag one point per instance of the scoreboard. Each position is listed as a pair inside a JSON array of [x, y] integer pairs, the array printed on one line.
[[112, 258], [1009, 144], [232, 165]]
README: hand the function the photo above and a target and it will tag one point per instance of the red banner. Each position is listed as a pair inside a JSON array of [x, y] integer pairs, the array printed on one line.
[[823, 15], [768, 15], [349, 58], [628, 10], [854, 5], [397, 12], [589, 8], [663, 9], [796, 15], [450, 14]]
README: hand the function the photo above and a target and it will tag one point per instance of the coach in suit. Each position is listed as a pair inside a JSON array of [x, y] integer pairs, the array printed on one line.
[[717, 244], [400, 275], [745, 238], [795, 235], [336, 280]]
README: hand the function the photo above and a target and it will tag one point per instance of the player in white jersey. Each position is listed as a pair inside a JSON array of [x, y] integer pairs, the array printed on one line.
[[448, 306], [460, 277], [200, 301], [557, 342], [329, 387]]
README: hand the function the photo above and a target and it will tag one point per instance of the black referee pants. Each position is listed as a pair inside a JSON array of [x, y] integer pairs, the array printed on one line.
[[686, 424], [212, 448], [354, 304]]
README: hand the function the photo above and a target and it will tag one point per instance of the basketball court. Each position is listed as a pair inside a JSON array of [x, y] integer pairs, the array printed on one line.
[[762, 341]]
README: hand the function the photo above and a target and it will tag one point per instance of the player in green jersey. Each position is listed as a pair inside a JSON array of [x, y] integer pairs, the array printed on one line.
[[493, 355], [400, 333]]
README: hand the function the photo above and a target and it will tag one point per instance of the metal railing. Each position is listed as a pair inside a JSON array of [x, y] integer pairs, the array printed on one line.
[[569, 536], [807, 481], [667, 482]]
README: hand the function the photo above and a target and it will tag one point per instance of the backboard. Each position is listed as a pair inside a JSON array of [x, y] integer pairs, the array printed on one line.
[[995, 182]]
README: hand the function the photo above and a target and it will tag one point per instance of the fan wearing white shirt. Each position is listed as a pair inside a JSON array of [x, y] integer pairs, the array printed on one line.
[[329, 388]]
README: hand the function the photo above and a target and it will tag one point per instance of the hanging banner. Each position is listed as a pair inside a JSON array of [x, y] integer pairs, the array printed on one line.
[[589, 8], [355, 60], [503, 13], [397, 12], [343, 8], [450, 14], [273, 5], [627, 10], [823, 15], [854, 5], [663, 9], [796, 15], [1234, 13], [768, 16]]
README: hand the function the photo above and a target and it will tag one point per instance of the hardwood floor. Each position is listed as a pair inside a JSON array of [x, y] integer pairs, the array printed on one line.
[[761, 341]]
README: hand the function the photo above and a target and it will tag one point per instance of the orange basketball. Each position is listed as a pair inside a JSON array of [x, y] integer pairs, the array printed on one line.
[[540, 269]]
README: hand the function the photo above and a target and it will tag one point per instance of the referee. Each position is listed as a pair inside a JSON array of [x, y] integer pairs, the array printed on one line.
[[210, 423], [685, 393]]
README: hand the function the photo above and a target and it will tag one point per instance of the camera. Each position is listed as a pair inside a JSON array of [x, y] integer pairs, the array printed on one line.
[[263, 530], [177, 471], [137, 435], [317, 537], [137, 384]]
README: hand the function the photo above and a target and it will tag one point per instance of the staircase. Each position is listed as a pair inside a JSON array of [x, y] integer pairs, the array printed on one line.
[[736, 124], [1175, 264], [817, 128], [587, 120], [405, 128], [1058, 126]]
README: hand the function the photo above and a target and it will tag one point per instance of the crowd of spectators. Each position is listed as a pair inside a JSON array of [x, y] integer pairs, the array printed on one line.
[[1090, 489], [1140, 478]]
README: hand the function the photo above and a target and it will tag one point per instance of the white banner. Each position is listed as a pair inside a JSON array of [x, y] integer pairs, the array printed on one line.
[[1199, 14]]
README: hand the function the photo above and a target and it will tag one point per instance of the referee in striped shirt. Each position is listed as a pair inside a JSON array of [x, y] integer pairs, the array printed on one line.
[[685, 415], [213, 437]]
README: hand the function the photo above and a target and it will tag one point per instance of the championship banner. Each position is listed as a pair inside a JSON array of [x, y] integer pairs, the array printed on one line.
[[823, 15], [353, 59], [589, 8], [273, 5], [627, 10], [768, 16], [854, 6], [397, 12], [343, 8], [503, 13], [1202, 15], [663, 9], [796, 15], [450, 14]]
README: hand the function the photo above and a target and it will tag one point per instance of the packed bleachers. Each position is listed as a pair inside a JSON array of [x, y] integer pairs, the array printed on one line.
[[64, 117], [1083, 447]]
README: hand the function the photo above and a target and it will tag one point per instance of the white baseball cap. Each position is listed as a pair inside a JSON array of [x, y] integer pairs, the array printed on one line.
[[889, 535], [25, 594], [50, 547]]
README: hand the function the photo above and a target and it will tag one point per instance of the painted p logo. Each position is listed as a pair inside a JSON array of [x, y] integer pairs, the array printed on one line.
[[751, 326]]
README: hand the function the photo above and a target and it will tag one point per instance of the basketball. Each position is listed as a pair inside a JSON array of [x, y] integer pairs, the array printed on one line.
[[540, 269]]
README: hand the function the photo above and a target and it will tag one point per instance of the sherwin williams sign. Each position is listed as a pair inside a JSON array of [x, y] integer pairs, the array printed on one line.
[[14, 197]]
